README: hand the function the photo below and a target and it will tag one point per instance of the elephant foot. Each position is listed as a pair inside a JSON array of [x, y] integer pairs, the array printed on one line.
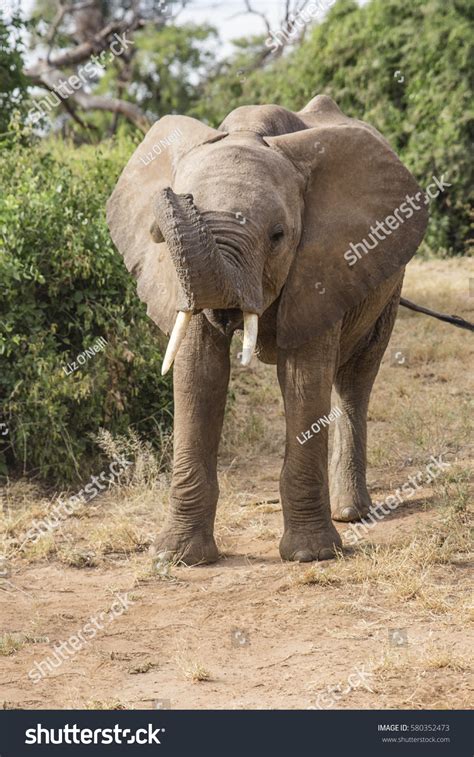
[[348, 509], [309, 545], [198, 548]]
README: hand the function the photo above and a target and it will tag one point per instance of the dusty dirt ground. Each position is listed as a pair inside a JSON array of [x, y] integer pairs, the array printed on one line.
[[387, 625]]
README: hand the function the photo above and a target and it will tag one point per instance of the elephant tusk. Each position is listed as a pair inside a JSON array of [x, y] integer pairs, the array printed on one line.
[[177, 335], [250, 337]]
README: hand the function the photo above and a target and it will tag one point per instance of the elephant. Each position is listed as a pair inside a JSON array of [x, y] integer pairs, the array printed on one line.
[[271, 223]]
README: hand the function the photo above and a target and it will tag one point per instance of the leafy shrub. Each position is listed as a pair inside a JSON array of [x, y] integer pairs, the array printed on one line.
[[405, 68], [13, 82], [63, 285]]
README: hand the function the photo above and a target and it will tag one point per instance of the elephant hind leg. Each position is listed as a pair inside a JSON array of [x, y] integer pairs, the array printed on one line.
[[350, 499]]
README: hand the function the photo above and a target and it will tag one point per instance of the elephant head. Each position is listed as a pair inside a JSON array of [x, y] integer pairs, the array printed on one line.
[[267, 206]]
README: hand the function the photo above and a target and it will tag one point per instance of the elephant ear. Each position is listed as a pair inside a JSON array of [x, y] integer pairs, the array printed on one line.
[[130, 215], [354, 180]]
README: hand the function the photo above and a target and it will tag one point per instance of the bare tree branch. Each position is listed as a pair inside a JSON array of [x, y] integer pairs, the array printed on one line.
[[47, 74], [263, 16], [97, 44], [51, 79], [286, 22], [50, 37], [132, 112], [63, 10]]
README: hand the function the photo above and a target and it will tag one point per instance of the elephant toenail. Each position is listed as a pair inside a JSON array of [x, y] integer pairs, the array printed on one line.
[[303, 555], [325, 554], [348, 512]]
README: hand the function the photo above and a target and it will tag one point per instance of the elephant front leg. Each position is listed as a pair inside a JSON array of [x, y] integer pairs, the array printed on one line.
[[305, 375], [201, 376]]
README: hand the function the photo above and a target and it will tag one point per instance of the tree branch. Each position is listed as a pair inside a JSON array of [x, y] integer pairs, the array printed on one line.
[[51, 79], [47, 73], [100, 42], [132, 112], [63, 10], [258, 13]]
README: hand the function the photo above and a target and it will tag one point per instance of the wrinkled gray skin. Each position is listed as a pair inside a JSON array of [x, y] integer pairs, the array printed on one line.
[[257, 219]]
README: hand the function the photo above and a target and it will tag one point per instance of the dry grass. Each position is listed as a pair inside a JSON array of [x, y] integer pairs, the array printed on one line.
[[418, 568], [10, 643], [147, 466], [192, 670], [247, 430], [109, 704], [318, 575], [77, 558], [13, 642], [142, 668], [431, 657], [444, 658], [123, 538], [156, 570], [121, 521], [43, 548], [438, 417]]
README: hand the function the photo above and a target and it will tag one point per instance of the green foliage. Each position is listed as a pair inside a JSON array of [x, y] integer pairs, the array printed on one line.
[[63, 285], [167, 66], [226, 87], [354, 57], [12, 80]]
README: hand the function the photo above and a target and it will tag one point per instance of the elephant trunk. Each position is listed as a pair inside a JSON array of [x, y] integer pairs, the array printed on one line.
[[206, 279], [208, 272]]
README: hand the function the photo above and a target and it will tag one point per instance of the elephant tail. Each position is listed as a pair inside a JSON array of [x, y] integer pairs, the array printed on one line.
[[456, 320]]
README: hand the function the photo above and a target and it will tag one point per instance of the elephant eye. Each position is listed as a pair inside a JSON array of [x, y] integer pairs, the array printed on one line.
[[277, 234]]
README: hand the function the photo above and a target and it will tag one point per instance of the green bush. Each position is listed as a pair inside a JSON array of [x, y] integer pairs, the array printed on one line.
[[13, 82], [404, 67], [63, 285]]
